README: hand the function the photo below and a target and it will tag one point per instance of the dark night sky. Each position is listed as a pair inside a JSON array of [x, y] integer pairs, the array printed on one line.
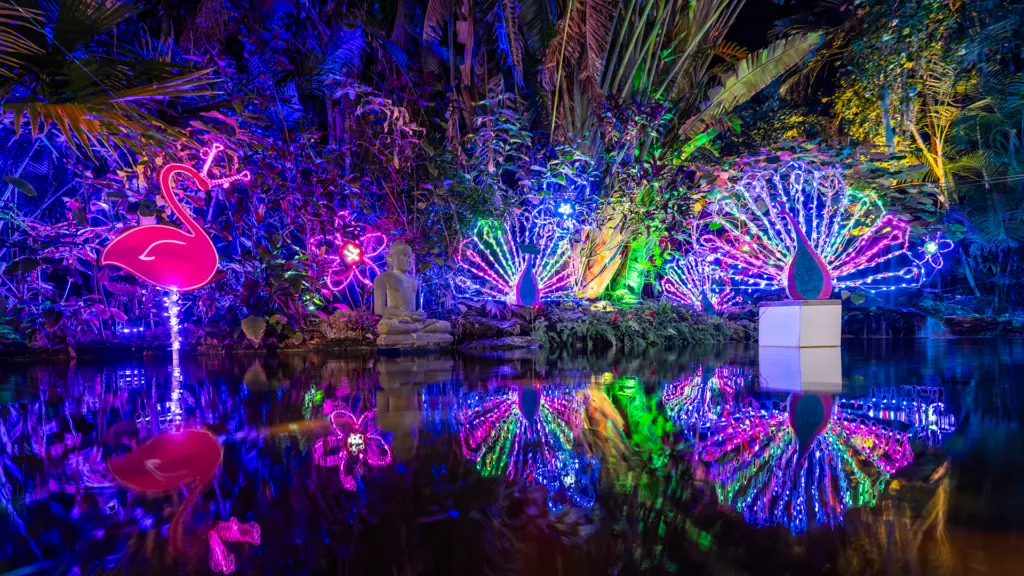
[[757, 18]]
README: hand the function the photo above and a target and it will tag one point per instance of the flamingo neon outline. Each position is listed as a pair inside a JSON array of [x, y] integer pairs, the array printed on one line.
[[136, 243]]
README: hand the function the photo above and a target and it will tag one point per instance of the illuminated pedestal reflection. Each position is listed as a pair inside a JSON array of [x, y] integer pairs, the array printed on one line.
[[800, 369]]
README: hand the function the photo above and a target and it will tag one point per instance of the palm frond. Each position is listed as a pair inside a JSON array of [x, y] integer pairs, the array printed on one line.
[[437, 14], [599, 15], [566, 48], [80, 21], [505, 17], [537, 24], [731, 51], [14, 44], [751, 76], [344, 54], [113, 120]]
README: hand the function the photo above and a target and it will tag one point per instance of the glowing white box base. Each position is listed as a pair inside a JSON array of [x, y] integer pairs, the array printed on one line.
[[800, 369], [800, 323]]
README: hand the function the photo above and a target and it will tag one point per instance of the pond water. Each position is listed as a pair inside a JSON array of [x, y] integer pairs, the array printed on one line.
[[515, 463]]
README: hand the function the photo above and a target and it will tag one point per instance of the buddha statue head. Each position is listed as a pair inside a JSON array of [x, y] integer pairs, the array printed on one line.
[[400, 258]]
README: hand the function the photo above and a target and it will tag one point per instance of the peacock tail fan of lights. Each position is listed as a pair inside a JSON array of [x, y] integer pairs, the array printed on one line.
[[700, 399], [695, 282], [758, 465], [348, 255], [799, 227], [921, 409], [518, 262], [520, 432]]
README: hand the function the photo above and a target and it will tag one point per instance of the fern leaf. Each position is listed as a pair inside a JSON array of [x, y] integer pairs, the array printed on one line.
[[506, 32]]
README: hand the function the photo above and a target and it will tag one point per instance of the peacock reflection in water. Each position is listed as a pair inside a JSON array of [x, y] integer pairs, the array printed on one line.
[[704, 396], [527, 433], [808, 460]]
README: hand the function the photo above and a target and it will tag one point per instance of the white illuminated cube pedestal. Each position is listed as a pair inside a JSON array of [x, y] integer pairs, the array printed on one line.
[[800, 323], [799, 345]]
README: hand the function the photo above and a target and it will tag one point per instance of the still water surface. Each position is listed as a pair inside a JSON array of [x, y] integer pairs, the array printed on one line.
[[526, 463]]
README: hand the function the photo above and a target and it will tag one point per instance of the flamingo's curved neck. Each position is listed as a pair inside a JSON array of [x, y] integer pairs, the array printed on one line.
[[168, 190]]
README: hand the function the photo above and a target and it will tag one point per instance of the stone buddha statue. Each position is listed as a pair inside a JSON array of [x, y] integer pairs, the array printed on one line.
[[396, 301]]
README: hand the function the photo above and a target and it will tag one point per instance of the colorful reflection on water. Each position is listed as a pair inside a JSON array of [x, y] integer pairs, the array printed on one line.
[[258, 464]]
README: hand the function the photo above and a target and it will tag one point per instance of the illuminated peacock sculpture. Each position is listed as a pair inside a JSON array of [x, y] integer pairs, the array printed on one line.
[[804, 461], [520, 262], [526, 433], [695, 282], [800, 228], [704, 396]]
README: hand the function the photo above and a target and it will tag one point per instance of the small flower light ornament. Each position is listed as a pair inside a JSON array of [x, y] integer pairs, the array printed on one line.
[[349, 255], [356, 441]]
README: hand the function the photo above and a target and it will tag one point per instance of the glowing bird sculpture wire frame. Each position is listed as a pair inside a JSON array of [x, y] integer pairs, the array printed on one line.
[[771, 229], [526, 433], [776, 473], [518, 263], [695, 282]]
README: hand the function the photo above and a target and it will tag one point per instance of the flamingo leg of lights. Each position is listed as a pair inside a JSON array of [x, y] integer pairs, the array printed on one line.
[[794, 217], [356, 441], [175, 411], [231, 531], [516, 263], [528, 434], [694, 282], [764, 466]]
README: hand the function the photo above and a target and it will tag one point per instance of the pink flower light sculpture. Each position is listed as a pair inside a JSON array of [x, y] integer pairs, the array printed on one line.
[[356, 441], [775, 219], [348, 255], [231, 531]]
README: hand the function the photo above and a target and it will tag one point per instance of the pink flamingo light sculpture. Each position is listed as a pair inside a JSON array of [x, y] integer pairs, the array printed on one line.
[[167, 256]]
